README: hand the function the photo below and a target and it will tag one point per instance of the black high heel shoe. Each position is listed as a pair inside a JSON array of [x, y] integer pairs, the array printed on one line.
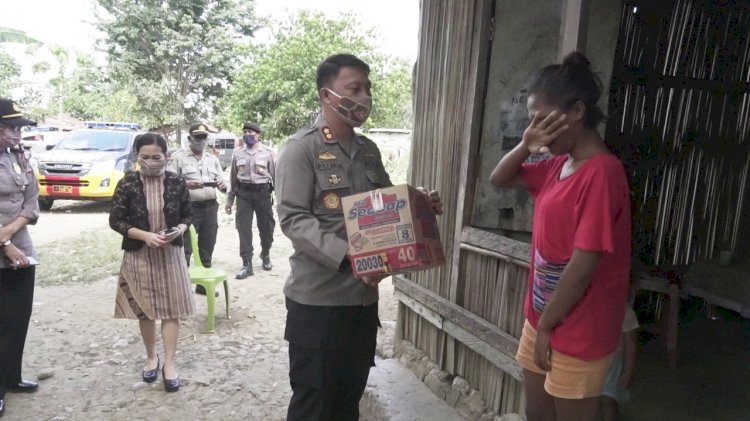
[[150, 376], [171, 385]]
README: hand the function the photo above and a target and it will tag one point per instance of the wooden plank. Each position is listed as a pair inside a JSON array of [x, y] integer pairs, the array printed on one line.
[[574, 27], [490, 253], [515, 250], [472, 131], [427, 314], [475, 325], [501, 360], [471, 137]]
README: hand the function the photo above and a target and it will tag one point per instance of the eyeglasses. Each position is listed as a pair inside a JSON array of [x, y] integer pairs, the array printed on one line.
[[10, 128]]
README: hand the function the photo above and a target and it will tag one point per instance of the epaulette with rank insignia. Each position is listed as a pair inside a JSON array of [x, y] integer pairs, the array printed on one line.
[[328, 134]]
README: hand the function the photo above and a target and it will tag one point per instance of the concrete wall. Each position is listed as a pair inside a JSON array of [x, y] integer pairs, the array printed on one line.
[[527, 38]]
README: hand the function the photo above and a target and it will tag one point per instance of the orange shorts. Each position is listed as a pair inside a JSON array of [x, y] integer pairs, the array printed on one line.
[[569, 378]]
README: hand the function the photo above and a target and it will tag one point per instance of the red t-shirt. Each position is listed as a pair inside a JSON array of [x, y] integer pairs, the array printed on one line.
[[590, 211]]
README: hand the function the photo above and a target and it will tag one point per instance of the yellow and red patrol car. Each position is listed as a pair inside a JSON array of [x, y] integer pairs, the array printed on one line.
[[87, 164]]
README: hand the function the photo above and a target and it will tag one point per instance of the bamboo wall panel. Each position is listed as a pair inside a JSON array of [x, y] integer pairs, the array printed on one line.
[[681, 118], [442, 95], [495, 291]]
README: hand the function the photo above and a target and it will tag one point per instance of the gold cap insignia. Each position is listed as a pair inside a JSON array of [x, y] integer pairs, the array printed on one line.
[[15, 108], [331, 201], [327, 156], [201, 127]]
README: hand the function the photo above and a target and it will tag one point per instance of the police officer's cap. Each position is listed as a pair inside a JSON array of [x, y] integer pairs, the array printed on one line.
[[252, 126], [11, 115], [198, 129]]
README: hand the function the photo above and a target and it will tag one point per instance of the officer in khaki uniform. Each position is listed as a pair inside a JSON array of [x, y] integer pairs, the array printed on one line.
[[332, 317], [252, 179], [19, 193], [203, 175]]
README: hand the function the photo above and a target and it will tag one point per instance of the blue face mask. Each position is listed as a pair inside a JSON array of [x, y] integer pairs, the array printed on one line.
[[249, 139]]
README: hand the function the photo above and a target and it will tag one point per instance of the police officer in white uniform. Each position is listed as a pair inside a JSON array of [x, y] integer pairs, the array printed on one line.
[[203, 175]]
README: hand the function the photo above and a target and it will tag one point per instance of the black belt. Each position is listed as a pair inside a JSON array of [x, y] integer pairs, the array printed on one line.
[[205, 203], [253, 187]]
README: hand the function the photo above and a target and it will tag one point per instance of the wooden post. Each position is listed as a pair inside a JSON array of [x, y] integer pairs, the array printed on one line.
[[574, 27]]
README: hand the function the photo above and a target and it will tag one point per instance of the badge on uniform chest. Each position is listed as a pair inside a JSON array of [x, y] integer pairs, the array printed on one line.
[[327, 156], [16, 168], [331, 200], [334, 179]]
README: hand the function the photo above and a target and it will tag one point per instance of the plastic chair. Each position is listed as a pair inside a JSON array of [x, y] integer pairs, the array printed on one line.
[[208, 278]]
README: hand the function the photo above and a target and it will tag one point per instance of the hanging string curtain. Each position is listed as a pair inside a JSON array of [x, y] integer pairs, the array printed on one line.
[[681, 99]]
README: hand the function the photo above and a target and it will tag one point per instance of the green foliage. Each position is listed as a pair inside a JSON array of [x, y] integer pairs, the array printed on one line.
[[277, 86], [177, 55], [10, 72], [391, 91]]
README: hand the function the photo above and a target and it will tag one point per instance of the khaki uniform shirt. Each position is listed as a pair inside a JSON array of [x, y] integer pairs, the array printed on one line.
[[19, 192], [314, 171], [190, 168], [255, 165]]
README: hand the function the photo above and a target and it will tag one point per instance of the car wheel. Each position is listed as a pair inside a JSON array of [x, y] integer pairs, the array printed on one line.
[[45, 203]]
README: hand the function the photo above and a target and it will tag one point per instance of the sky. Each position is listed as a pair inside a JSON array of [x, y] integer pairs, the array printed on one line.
[[68, 22]]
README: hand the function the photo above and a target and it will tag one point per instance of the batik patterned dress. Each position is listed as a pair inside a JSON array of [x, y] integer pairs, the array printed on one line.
[[154, 282]]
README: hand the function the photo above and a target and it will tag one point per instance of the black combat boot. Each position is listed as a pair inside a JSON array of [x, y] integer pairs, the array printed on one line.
[[266, 261], [247, 269]]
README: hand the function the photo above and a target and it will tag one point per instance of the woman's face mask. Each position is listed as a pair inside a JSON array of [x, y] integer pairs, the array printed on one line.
[[353, 110], [152, 167]]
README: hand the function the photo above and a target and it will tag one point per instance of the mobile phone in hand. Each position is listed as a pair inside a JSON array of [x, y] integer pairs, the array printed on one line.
[[169, 231]]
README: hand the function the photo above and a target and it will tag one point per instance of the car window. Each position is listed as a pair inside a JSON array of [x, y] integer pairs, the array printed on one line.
[[225, 143], [95, 141]]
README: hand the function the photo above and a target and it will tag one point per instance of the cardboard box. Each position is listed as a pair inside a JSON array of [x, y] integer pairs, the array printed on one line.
[[391, 230]]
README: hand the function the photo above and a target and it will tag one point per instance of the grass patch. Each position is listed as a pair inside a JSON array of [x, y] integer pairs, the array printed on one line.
[[89, 257]]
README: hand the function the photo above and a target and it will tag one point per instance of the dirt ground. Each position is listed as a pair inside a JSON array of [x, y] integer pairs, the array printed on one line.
[[237, 373]]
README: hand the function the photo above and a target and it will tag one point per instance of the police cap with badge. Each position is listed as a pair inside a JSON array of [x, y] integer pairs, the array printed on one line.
[[198, 130], [11, 115]]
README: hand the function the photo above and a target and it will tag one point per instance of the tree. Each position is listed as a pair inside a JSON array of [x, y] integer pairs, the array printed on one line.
[[178, 55], [277, 86], [10, 72]]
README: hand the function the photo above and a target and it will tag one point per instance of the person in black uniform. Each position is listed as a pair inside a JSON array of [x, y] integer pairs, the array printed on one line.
[[19, 207], [252, 177]]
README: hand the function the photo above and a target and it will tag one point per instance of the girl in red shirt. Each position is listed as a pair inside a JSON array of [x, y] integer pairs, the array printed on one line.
[[580, 251]]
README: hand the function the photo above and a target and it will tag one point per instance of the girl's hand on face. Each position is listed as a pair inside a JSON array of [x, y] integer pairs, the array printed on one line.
[[542, 132]]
